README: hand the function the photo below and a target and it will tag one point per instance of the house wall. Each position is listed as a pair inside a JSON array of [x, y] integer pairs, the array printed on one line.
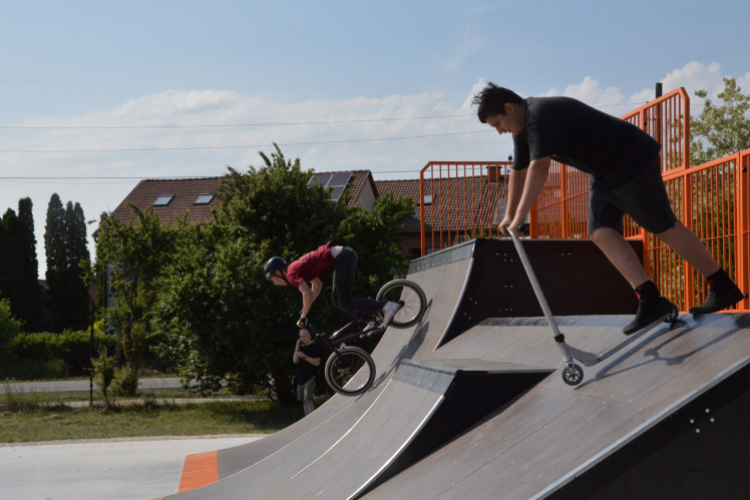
[[366, 197]]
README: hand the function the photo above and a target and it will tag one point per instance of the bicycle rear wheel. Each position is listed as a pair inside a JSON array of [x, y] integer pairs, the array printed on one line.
[[412, 298], [350, 371]]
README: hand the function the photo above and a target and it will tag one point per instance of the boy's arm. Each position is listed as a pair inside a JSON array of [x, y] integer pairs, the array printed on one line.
[[317, 287], [308, 297], [534, 182]]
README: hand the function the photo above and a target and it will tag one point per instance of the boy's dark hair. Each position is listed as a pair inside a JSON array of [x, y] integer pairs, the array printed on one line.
[[492, 99]]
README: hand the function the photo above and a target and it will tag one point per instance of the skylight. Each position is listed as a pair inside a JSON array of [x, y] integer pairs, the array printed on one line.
[[204, 199], [164, 200]]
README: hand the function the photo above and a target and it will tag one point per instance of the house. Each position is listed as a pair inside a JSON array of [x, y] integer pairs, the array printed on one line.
[[476, 204]]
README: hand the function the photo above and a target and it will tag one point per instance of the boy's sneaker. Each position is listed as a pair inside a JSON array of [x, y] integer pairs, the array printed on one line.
[[389, 311], [716, 301], [647, 314]]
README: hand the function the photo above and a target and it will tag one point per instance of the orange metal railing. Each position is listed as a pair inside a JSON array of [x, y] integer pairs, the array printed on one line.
[[713, 200]]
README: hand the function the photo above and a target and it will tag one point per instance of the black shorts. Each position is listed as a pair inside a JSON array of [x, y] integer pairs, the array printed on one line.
[[644, 198]]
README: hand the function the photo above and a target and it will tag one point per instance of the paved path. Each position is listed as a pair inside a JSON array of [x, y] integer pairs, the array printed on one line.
[[83, 385], [112, 470]]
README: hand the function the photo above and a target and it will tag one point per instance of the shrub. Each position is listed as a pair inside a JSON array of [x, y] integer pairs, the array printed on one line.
[[70, 347], [126, 381], [104, 373]]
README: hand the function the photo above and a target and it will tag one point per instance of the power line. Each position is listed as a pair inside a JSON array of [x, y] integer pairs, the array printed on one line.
[[137, 177], [193, 148], [258, 124], [223, 125]]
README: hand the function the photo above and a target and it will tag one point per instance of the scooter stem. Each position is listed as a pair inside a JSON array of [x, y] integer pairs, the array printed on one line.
[[535, 284]]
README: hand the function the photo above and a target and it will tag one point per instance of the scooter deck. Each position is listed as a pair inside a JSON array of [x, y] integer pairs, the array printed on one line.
[[591, 359]]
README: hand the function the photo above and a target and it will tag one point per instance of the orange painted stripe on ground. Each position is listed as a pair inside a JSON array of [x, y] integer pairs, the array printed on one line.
[[199, 470], [160, 498]]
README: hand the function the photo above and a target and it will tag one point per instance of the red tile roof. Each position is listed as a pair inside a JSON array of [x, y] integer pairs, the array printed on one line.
[[459, 204], [185, 192]]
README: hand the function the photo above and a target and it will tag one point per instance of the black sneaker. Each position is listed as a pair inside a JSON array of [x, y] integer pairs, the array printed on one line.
[[717, 301], [647, 315]]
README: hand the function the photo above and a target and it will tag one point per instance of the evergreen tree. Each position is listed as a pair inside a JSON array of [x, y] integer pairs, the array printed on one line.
[[12, 262], [67, 256], [78, 258], [29, 308]]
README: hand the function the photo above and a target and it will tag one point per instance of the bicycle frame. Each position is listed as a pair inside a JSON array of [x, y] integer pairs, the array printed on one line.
[[334, 342]]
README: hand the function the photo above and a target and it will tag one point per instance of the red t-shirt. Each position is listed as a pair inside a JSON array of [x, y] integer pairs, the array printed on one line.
[[311, 265]]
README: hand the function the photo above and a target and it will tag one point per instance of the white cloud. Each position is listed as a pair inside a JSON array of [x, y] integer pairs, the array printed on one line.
[[220, 107], [475, 89], [591, 93]]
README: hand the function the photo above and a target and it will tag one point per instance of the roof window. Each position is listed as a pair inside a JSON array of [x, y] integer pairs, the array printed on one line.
[[164, 200], [204, 199]]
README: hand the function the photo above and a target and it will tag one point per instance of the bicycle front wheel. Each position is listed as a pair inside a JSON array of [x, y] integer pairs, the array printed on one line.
[[350, 371], [411, 298]]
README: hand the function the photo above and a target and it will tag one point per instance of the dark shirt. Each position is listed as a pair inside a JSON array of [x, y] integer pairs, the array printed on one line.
[[306, 370], [311, 265], [612, 150]]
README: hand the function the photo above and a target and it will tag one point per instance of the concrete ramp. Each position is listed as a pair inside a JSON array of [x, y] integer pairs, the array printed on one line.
[[667, 418]]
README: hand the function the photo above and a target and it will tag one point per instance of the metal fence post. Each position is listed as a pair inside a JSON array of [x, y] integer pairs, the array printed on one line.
[[91, 356]]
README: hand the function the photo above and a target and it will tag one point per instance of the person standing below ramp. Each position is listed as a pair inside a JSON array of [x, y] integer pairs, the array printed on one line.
[[307, 356], [625, 169]]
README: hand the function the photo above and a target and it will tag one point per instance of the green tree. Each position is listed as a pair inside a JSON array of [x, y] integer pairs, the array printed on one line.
[[723, 129], [12, 262], [222, 317], [67, 262], [138, 253], [30, 299]]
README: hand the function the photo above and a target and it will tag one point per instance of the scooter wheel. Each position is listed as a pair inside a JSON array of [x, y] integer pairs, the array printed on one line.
[[572, 374], [672, 317]]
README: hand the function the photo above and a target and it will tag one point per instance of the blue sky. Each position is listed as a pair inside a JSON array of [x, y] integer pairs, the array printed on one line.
[[99, 63]]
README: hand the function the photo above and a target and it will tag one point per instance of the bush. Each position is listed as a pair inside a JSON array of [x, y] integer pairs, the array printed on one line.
[[125, 382], [9, 325], [104, 372], [70, 347]]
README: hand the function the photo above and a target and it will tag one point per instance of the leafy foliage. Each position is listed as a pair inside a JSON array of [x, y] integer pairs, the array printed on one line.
[[222, 317], [723, 129], [138, 254]]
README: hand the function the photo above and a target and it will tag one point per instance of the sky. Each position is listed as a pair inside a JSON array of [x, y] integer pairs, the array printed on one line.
[[263, 72]]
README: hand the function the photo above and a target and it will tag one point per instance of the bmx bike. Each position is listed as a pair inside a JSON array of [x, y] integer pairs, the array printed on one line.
[[350, 371]]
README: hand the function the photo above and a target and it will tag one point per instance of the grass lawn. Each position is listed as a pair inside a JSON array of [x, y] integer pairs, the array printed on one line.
[[31, 423]]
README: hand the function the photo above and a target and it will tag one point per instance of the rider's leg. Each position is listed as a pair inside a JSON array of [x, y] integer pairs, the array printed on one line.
[[606, 209], [343, 285]]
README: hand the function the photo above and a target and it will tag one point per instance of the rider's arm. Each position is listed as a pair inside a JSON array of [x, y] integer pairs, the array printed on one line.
[[308, 297], [534, 182], [515, 190], [317, 287]]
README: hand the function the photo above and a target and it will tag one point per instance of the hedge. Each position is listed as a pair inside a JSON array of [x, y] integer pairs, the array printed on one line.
[[72, 347]]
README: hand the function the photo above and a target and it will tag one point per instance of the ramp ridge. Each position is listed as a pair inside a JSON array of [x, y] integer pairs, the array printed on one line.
[[443, 257]]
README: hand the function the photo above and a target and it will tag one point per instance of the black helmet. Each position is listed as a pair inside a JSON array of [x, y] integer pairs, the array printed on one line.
[[274, 264]]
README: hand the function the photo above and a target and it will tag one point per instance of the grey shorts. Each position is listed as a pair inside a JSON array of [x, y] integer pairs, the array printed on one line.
[[644, 198], [306, 390]]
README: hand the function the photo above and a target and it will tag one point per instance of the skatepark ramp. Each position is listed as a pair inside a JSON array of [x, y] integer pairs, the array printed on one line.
[[467, 406]]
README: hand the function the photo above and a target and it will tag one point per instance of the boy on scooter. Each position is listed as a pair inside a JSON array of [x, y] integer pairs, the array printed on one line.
[[626, 178]]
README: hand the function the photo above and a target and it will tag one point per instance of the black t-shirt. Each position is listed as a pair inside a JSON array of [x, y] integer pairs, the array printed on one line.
[[306, 370], [571, 132]]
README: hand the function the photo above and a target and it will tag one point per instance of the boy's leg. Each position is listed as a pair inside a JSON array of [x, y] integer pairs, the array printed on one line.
[[645, 199], [605, 230], [343, 283]]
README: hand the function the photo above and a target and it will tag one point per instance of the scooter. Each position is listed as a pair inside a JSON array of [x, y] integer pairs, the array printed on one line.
[[573, 373]]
